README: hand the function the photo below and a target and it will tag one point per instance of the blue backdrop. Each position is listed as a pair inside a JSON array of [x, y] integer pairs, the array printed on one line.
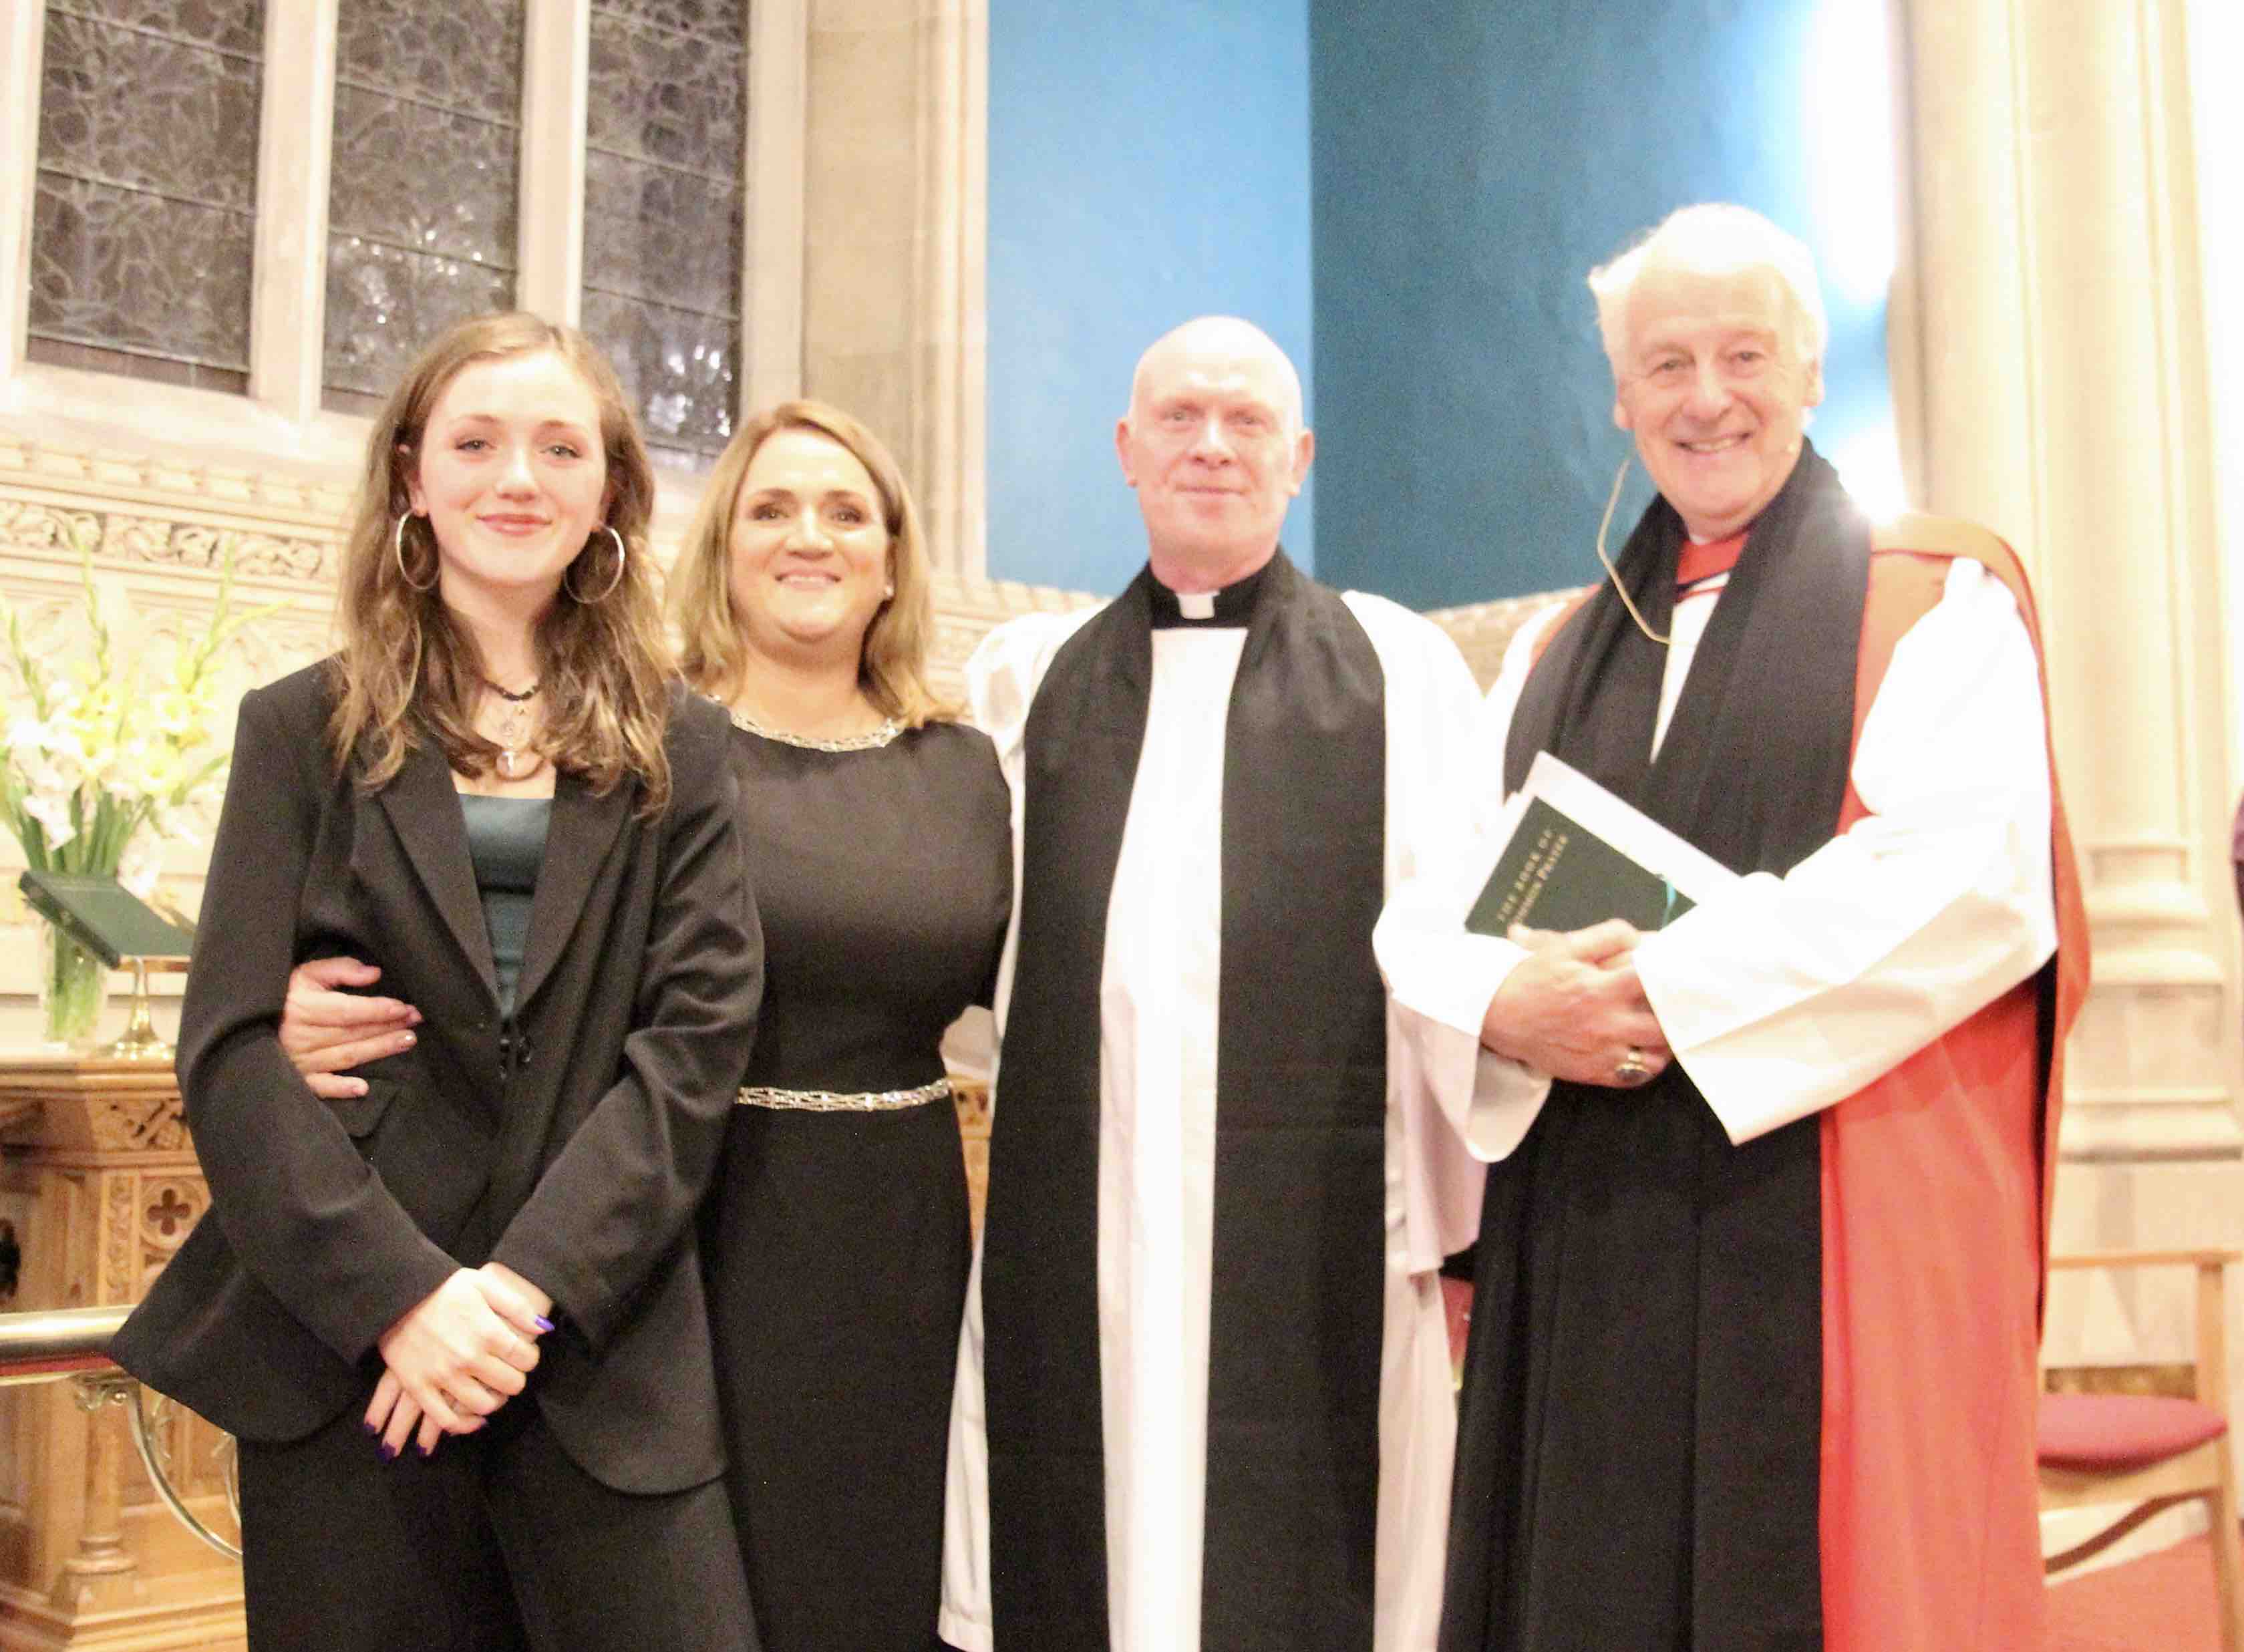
[[1408, 195], [1148, 163]]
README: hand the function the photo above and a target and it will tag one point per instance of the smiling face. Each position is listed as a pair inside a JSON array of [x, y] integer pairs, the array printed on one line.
[[1214, 444], [512, 476], [808, 548], [1714, 387]]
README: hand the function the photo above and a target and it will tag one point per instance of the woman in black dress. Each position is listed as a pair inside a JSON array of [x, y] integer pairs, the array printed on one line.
[[878, 831]]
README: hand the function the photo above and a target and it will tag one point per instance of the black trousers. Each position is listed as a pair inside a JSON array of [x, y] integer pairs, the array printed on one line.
[[497, 1543]]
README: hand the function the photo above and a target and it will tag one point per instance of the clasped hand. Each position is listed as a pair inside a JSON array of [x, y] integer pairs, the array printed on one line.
[[464, 1350], [1574, 1008], [457, 1356]]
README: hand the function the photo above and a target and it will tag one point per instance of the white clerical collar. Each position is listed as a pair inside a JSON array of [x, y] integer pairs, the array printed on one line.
[[1232, 605]]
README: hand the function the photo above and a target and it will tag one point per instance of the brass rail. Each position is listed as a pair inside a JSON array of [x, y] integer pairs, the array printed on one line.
[[56, 1343]]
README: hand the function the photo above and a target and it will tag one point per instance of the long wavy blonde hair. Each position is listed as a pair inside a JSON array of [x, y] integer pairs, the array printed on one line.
[[892, 662], [406, 670]]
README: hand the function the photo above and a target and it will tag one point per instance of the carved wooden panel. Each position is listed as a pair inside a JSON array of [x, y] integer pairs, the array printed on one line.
[[97, 1157]]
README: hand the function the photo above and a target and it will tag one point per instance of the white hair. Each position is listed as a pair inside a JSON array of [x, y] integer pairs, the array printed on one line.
[[1715, 238]]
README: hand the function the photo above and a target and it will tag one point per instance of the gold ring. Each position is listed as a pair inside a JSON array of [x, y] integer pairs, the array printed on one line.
[[1630, 1068]]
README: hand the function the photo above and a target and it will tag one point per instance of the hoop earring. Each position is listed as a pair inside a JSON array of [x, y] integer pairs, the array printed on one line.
[[609, 590], [397, 550]]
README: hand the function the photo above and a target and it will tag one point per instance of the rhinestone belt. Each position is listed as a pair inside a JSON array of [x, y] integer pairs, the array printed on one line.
[[826, 1101]]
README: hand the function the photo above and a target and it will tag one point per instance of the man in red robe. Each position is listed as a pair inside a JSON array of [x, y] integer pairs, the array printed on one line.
[[1757, 1289]]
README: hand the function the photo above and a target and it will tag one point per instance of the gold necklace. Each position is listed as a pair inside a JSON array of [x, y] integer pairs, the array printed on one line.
[[517, 759], [870, 740]]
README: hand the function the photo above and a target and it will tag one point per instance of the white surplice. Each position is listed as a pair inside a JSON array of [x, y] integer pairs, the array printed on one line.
[[1158, 1055], [1786, 995]]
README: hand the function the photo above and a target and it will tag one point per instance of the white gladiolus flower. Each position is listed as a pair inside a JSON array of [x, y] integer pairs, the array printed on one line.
[[27, 737], [127, 741], [51, 811], [143, 865], [57, 765], [175, 716], [146, 771]]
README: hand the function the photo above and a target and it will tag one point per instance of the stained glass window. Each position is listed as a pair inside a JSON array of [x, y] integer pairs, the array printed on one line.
[[421, 204], [144, 222], [663, 201]]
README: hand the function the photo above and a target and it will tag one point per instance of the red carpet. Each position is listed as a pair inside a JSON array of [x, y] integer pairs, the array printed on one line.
[[2161, 1603]]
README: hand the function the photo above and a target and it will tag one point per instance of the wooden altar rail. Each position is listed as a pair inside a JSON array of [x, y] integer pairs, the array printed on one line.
[[73, 1344], [59, 1342]]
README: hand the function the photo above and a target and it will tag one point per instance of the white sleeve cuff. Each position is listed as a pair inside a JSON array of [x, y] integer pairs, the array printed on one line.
[[1507, 1096]]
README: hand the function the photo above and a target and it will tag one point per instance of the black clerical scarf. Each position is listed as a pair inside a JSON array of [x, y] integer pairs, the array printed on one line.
[[1298, 1270], [1638, 1459]]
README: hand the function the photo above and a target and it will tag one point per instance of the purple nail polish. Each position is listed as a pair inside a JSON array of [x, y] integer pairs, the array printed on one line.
[[389, 1452], [541, 1321], [370, 1429]]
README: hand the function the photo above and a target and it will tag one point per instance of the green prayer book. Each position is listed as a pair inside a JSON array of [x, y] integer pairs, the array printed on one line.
[[105, 917], [1576, 854]]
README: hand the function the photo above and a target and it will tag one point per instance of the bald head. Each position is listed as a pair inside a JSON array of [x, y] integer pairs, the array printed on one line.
[[1225, 338], [1214, 444]]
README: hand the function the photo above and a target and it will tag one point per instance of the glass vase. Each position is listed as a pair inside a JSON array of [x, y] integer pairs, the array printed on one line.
[[73, 985]]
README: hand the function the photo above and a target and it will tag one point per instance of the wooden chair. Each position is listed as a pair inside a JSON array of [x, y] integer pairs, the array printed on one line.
[[2152, 1451]]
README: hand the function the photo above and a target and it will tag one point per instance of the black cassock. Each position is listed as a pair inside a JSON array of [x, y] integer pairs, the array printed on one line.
[[1637, 1454], [1298, 1265]]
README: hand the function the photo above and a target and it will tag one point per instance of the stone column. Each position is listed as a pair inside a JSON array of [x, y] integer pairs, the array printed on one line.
[[894, 230], [2056, 337]]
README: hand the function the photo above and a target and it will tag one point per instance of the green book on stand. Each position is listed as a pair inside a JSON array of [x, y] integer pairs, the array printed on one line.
[[1576, 855], [105, 917]]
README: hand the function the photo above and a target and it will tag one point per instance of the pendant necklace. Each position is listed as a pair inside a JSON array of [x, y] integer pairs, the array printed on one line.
[[517, 759]]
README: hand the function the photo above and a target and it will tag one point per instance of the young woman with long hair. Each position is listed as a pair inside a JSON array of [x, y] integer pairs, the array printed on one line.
[[495, 795]]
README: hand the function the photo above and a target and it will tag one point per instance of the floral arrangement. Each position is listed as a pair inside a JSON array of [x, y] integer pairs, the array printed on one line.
[[111, 754]]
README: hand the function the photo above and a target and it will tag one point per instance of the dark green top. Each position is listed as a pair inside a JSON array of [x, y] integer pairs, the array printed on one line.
[[506, 839]]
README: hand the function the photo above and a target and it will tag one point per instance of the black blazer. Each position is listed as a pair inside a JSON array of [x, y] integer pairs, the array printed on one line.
[[571, 1143]]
